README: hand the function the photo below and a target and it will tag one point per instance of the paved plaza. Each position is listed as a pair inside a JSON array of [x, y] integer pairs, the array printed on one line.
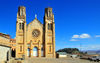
[[58, 60]]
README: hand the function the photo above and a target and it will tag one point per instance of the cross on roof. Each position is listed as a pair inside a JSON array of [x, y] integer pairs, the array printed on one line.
[[35, 16]]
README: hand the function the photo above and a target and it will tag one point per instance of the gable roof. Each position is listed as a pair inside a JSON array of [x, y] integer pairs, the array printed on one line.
[[36, 20]]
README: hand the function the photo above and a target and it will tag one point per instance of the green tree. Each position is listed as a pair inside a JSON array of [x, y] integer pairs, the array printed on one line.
[[68, 50]]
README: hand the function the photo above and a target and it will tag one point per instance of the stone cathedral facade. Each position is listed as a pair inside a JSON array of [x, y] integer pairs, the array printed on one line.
[[35, 39]]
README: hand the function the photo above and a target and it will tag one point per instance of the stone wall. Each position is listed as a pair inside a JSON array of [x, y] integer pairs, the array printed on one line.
[[5, 53], [4, 41]]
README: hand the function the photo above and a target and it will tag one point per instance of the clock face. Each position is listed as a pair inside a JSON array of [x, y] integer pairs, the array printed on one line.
[[35, 33]]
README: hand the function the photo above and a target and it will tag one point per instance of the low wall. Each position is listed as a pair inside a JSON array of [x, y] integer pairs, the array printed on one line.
[[18, 61]]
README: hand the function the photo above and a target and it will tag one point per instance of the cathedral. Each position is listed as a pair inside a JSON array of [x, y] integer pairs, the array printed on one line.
[[35, 39]]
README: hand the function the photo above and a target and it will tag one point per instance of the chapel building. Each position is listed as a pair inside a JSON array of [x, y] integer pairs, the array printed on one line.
[[35, 39]]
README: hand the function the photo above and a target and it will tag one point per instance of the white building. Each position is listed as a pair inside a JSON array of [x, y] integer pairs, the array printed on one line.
[[61, 54], [5, 49]]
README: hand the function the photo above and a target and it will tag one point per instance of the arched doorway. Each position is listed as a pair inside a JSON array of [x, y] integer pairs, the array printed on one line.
[[28, 52], [7, 55], [13, 51], [41, 52], [35, 52]]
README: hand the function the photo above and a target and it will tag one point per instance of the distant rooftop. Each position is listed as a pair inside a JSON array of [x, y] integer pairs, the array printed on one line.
[[61, 52], [5, 35]]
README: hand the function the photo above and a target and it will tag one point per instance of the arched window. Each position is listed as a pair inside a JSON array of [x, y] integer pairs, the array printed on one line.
[[21, 12], [50, 26], [49, 13], [20, 26]]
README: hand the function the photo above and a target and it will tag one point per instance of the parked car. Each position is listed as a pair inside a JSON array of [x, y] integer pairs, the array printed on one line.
[[95, 58], [86, 57]]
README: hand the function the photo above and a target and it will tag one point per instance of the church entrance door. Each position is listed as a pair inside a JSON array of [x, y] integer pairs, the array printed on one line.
[[35, 52], [28, 52], [41, 52]]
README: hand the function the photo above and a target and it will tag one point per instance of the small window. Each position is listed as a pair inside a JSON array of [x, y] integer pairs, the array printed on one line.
[[49, 13], [20, 48], [50, 26], [21, 12], [12, 44], [20, 26], [49, 48]]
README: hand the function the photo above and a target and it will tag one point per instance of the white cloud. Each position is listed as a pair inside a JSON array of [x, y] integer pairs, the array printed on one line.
[[91, 47], [97, 36], [75, 36], [85, 35], [95, 46], [73, 40], [86, 47]]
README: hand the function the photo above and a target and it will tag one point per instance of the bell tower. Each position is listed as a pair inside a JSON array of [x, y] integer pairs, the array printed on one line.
[[49, 26], [21, 32]]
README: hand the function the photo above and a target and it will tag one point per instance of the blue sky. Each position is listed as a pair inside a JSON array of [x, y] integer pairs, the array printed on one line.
[[76, 21]]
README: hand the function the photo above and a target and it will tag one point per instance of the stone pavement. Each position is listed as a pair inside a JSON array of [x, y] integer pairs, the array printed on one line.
[[46, 60], [58, 60], [53, 60]]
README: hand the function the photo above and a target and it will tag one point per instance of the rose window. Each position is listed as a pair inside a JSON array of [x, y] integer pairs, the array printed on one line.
[[35, 33]]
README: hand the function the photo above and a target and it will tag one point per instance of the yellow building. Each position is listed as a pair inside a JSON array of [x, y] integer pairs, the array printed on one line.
[[35, 39], [13, 47], [13, 44]]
